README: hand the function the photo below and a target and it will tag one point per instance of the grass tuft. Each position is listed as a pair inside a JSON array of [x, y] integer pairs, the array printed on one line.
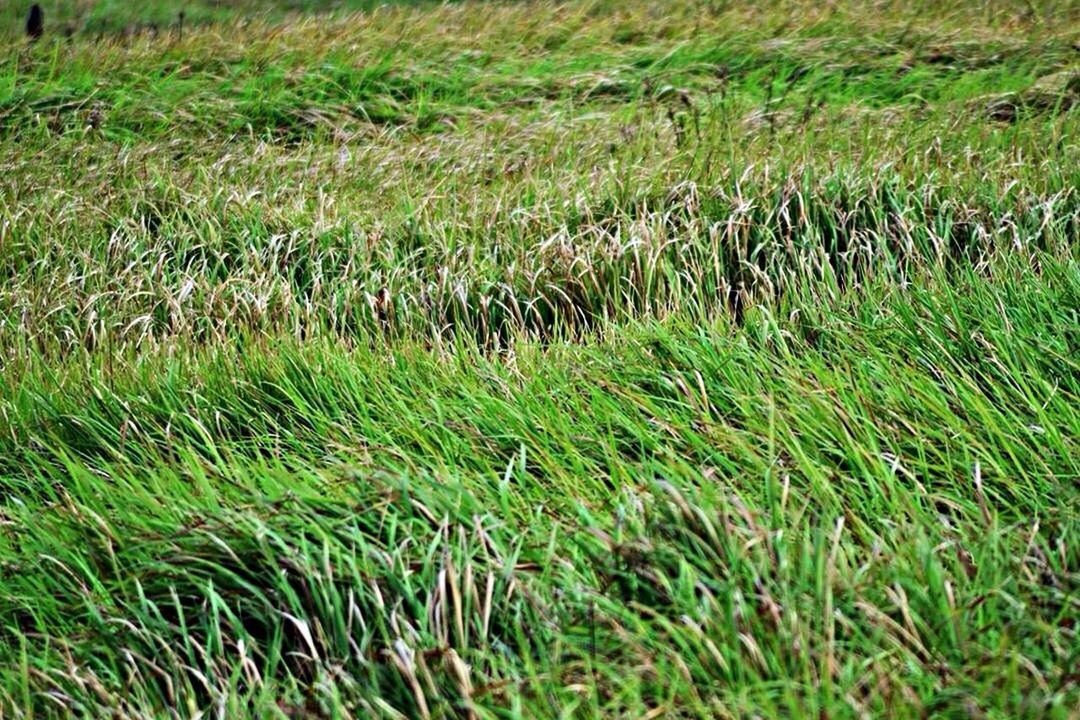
[[585, 359]]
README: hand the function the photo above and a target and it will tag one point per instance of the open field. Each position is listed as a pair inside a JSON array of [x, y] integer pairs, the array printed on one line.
[[526, 360]]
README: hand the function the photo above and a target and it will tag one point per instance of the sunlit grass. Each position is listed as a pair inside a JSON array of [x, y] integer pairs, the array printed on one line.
[[542, 360]]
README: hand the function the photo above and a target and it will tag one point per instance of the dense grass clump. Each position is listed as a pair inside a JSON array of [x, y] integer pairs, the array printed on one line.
[[586, 359]]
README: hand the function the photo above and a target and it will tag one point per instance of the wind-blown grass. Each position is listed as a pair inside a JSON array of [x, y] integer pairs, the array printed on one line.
[[676, 517], [518, 360]]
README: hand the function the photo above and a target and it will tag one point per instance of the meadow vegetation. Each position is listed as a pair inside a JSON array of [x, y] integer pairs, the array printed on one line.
[[579, 359]]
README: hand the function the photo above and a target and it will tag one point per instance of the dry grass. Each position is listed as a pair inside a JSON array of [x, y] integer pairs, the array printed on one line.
[[526, 360]]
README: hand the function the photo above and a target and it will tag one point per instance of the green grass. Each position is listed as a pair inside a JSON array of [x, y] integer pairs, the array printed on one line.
[[534, 360], [99, 19]]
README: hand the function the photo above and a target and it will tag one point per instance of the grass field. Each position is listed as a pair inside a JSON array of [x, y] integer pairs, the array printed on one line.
[[588, 359]]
